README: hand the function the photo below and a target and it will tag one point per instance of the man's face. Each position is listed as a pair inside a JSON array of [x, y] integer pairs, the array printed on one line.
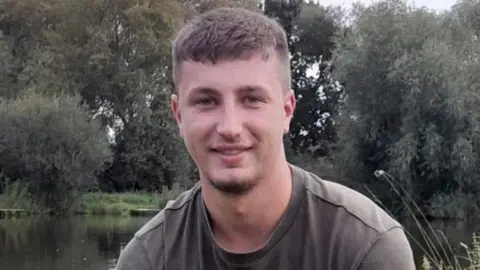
[[232, 116]]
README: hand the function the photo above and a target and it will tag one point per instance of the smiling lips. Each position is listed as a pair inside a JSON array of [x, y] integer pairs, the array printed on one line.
[[231, 155], [230, 150]]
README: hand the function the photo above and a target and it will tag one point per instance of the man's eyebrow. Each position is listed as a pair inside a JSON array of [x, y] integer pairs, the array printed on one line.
[[203, 90], [244, 89], [252, 89]]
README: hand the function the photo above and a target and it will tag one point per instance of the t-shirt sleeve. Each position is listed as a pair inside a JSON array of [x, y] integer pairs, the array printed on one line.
[[133, 257], [392, 250]]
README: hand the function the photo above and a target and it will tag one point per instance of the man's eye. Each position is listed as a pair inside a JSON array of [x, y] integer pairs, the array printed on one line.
[[252, 100], [206, 101]]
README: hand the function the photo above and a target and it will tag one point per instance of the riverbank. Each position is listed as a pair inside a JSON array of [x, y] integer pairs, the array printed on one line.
[[436, 255], [93, 203], [96, 204], [117, 203]]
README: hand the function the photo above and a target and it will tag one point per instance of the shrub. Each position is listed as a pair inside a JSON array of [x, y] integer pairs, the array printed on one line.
[[51, 144]]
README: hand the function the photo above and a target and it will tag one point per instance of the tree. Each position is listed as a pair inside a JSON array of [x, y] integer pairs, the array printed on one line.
[[310, 30], [411, 101], [116, 56], [51, 145], [195, 7], [319, 96], [7, 67]]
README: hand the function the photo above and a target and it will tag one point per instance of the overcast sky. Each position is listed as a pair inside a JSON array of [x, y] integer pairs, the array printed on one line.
[[432, 4]]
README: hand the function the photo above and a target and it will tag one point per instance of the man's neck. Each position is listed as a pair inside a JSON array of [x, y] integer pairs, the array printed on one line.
[[244, 223]]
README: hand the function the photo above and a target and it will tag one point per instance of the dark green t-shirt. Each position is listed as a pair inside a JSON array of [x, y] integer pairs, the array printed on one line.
[[326, 226]]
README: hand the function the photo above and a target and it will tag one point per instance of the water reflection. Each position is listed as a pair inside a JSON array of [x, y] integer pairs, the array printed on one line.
[[94, 243], [55, 243]]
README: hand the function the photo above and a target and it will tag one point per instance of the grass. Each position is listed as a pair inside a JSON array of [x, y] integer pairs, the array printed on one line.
[[472, 258], [435, 255], [97, 203], [17, 196], [115, 203]]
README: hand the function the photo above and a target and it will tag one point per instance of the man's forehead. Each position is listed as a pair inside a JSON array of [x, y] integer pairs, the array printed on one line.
[[231, 75]]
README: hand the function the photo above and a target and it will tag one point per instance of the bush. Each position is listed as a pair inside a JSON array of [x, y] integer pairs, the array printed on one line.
[[51, 144]]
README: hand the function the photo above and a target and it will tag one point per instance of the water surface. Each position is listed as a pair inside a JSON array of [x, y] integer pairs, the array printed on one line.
[[56, 243], [94, 243]]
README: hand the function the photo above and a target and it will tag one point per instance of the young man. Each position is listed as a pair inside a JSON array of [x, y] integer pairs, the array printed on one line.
[[251, 209]]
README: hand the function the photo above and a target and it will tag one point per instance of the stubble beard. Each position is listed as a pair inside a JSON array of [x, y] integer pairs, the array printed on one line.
[[237, 186], [233, 188]]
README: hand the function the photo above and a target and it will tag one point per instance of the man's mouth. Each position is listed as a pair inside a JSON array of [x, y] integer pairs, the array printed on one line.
[[230, 151]]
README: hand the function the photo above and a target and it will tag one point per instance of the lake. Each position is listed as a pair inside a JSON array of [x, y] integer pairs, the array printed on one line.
[[94, 243]]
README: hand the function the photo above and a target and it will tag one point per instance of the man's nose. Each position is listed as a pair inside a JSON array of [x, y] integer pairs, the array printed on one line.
[[229, 124]]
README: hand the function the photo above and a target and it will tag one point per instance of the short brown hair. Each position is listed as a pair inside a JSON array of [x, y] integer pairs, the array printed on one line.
[[228, 34]]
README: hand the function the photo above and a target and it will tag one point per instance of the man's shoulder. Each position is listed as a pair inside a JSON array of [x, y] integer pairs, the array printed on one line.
[[360, 232], [352, 203], [172, 207], [147, 247]]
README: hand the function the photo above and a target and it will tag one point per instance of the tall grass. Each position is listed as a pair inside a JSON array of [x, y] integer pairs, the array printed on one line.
[[435, 255], [16, 195], [98, 203]]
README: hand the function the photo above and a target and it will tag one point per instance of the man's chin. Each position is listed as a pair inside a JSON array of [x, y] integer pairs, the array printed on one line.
[[233, 187], [232, 181]]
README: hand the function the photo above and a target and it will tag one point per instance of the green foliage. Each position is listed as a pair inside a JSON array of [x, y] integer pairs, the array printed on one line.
[[16, 195], [95, 203], [438, 253], [455, 205], [310, 29], [399, 91], [411, 101], [472, 258], [51, 144], [199, 6], [149, 154], [98, 203], [116, 56], [395, 89], [7, 66]]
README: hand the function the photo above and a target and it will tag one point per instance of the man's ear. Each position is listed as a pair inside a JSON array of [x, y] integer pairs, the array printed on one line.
[[176, 112], [289, 109]]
